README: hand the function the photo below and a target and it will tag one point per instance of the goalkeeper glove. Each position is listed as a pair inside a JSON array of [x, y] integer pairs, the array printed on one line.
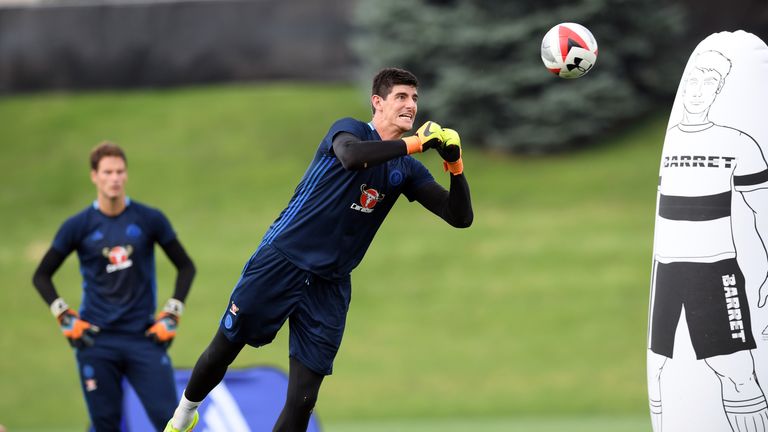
[[79, 333], [450, 151], [428, 136], [164, 329]]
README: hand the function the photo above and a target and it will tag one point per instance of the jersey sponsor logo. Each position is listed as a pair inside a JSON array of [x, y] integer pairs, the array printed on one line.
[[368, 199], [118, 257], [733, 306], [698, 161], [234, 309]]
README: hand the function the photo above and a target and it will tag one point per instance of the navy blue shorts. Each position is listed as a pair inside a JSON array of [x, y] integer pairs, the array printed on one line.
[[271, 290], [138, 359]]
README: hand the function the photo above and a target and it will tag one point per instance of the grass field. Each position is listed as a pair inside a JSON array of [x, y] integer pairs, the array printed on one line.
[[573, 424], [537, 311]]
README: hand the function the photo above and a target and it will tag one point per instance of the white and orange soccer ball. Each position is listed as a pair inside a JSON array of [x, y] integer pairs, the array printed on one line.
[[569, 50]]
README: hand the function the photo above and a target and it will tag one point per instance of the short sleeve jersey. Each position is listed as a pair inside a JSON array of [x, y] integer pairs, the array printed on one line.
[[701, 167], [117, 262], [334, 213]]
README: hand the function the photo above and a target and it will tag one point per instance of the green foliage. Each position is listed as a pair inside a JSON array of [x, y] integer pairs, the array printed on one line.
[[480, 69]]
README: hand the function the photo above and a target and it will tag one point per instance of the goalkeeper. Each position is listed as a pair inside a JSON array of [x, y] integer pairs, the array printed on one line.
[[301, 270], [115, 336]]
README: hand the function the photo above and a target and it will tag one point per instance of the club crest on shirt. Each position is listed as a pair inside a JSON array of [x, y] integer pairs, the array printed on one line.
[[118, 257], [368, 199]]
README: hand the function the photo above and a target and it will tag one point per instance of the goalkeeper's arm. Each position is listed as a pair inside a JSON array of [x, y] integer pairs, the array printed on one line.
[[79, 333], [184, 266], [356, 155], [454, 205], [43, 277], [163, 331]]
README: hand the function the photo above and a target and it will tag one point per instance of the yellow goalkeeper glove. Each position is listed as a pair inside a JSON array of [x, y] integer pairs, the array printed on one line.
[[450, 151], [428, 136]]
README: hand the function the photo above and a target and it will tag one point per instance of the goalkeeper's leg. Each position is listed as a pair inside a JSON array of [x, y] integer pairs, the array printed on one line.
[[207, 374], [303, 387], [148, 369], [101, 380]]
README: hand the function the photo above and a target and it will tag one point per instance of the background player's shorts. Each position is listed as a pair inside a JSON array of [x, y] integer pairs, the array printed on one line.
[[144, 363], [271, 290], [716, 308]]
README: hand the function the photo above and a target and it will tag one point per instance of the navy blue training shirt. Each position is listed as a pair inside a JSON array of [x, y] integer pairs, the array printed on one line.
[[117, 261], [333, 215]]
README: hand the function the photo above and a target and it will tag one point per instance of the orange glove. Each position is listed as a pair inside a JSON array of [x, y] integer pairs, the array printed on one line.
[[164, 329], [78, 332]]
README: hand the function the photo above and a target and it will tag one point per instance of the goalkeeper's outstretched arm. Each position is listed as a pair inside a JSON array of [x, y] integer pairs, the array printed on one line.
[[356, 155]]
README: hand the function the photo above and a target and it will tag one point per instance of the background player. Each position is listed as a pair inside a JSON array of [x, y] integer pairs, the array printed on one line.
[[115, 334], [301, 269]]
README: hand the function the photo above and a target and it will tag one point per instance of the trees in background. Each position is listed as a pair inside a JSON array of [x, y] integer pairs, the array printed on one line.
[[480, 69]]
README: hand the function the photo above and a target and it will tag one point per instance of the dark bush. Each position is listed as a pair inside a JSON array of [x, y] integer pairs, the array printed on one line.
[[481, 73]]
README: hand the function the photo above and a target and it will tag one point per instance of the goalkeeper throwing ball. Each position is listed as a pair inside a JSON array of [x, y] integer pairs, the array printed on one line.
[[301, 270], [115, 333]]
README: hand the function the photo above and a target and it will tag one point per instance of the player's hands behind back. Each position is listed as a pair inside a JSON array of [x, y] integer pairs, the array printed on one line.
[[78, 332], [163, 331]]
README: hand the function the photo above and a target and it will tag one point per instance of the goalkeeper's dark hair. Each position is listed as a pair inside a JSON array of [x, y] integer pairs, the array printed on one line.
[[390, 77], [104, 149]]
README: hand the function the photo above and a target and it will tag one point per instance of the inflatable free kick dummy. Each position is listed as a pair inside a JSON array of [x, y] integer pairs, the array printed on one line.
[[707, 335]]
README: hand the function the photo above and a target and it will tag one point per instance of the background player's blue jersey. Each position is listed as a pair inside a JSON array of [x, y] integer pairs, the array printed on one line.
[[117, 261], [334, 213]]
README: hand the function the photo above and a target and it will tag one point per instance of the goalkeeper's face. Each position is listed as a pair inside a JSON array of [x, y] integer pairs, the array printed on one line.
[[109, 177], [398, 108]]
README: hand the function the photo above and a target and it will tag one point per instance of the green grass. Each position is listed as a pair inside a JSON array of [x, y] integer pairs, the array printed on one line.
[[574, 424], [538, 310]]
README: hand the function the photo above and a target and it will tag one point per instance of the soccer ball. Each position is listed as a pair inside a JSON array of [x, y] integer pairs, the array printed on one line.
[[569, 50]]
